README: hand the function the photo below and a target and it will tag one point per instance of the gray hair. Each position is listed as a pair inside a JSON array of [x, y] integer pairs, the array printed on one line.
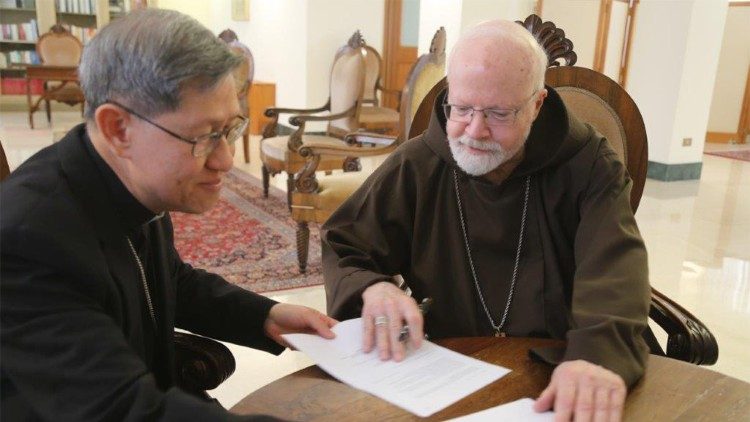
[[503, 30], [148, 57]]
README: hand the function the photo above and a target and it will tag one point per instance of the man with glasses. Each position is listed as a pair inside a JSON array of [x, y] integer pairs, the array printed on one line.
[[513, 217], [92, 286]]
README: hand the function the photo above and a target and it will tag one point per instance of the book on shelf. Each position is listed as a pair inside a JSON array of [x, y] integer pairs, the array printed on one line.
[[21, 57], [83, 34], [85, 7], [18, 4], [27, 31]]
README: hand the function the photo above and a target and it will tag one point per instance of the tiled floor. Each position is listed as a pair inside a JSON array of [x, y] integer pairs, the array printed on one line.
[[696, 233]]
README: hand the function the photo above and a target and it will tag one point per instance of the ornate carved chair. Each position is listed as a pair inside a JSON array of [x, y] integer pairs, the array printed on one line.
[[281, 153], [58, 47], [374, 117], [604, 104], [314, 201], [243, 80]]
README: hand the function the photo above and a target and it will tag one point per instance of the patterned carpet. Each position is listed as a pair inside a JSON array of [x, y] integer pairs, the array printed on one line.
[[743, 155], [248, 239]]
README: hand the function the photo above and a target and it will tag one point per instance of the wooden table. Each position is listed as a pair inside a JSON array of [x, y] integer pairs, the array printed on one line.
[[64, 74], [669, 390]]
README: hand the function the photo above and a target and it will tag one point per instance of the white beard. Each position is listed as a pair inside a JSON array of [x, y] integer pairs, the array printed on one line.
[[479, 164]]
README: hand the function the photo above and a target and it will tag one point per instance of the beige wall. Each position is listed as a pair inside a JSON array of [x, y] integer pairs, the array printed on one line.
[[277, 35], [457, 15], [731, 76], [198, 9], [673, 63], [330, 23]]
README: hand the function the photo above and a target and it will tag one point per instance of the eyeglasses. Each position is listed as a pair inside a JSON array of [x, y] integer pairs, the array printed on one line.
[[203, 145], [492, 116]]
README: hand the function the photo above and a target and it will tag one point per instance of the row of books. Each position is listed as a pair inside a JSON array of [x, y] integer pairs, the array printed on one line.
[[76, 6], [18, 4], [28, 31], [25, 57], [83, 34]]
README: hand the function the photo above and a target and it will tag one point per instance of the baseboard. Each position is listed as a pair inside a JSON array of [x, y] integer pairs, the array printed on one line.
[[722, 137], [674, 172]]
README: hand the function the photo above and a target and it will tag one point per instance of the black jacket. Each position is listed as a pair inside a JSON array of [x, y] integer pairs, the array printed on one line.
[[71, 301]]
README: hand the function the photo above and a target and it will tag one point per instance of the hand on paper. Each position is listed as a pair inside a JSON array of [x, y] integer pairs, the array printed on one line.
[[393, 308], [582, 391], [285, 319]]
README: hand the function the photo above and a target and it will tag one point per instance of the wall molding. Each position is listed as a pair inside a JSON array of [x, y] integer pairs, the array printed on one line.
[[674, 172]]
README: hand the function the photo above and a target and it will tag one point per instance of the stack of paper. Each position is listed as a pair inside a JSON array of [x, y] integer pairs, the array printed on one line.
[[428, 380]]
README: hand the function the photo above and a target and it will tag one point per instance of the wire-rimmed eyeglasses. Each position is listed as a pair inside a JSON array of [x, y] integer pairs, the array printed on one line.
[[492, 116], [203, 145]]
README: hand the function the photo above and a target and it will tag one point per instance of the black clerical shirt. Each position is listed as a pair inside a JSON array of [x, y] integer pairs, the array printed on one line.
[[135, 219]]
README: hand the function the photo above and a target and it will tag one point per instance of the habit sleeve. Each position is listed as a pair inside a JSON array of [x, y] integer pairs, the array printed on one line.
[[611, 292], [356, 256]]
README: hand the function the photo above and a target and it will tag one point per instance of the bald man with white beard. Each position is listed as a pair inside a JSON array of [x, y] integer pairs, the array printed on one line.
[[514, 217]]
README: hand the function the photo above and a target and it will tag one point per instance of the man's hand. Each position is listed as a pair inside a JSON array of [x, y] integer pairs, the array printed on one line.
[[582, 391], [386, 309], [284, 319]]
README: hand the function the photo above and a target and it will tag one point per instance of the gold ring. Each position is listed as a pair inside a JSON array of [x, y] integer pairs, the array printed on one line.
[[381, 320]]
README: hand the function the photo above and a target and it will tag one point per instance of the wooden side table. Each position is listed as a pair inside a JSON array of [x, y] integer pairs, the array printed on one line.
[[262, 96]]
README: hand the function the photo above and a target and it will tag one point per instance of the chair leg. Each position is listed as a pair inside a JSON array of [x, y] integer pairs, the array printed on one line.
[[49, 112], [246, 146], [289, 190], [266, 180], [303, 243]]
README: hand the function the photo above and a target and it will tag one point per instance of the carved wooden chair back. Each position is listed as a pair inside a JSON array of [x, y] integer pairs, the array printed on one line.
[[601, 102], [347, 85], [424, 74], [58, 47], [373, 69]]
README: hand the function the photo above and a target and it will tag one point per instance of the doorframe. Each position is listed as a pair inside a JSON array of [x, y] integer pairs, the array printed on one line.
[[743, 128], [391, 40], [602, 35]]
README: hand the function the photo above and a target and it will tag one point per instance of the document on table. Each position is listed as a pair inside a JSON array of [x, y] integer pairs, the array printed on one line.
[[429, 379], [520, 410]]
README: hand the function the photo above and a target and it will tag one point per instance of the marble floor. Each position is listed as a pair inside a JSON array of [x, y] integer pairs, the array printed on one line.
[[696, 233]]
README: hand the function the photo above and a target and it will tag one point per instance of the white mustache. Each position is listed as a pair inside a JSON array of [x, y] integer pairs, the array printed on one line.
[[477, 144]]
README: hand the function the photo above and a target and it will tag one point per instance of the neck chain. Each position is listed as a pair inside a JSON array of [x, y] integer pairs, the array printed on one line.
[[145, 284], [496, 327]]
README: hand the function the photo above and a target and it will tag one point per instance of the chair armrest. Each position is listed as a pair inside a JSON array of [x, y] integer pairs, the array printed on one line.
[[688, 338], [201, 363], [305, 181], [310, 150], [361, 138], [270, 130], [301, 119]]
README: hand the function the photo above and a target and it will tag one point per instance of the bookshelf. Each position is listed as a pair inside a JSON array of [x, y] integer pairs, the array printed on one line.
[[23, 21]]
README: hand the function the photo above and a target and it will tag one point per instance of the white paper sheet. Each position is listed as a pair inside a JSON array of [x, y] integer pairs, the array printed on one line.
[[429, 379], [520, 410]]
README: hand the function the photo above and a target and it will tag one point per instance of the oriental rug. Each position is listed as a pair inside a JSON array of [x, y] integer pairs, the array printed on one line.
[[248, 239], [743, 155]]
